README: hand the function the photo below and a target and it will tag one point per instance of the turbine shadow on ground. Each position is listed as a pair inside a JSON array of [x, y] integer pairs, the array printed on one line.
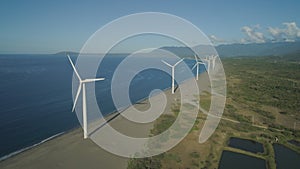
[[105, 123]]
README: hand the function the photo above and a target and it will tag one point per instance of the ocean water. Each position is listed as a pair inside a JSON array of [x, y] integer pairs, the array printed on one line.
[[36, 96]]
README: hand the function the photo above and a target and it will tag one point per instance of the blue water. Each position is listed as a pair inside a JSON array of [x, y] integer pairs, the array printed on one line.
[[247, 145], [232, 160], [36, 98], [286, 158]]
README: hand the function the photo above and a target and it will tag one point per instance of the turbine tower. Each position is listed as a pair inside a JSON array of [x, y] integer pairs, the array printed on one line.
[[197, 65], [81, 87], [213, 59], [207, 60], [173, 73]]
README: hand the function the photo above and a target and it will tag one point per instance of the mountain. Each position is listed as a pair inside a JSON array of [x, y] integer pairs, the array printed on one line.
[[188, 52], [232, 50], [67, 52], [258, 49]]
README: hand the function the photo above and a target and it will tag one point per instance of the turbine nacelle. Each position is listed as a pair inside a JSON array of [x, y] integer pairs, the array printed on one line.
[[172, 65]]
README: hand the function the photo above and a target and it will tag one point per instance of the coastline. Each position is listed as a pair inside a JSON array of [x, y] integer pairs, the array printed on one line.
[[69, 149], [32, 146]]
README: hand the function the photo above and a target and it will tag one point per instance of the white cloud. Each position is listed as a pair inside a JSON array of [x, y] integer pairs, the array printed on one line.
[[290, 32], [216, 40], [252, 35], [275, 33]]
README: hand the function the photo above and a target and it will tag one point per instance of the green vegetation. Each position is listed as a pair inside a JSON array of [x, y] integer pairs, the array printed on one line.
[[263, 95], [162, 124], [205, 100], [194, 154], [149, 162], [270, 81], [174, 157]]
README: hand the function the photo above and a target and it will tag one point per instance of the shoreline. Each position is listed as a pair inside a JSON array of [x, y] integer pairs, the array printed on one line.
[[107, 117], [10, 155], [41, 155], [115, 113]]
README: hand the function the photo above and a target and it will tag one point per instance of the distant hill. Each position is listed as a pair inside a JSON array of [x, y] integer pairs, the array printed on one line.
[[67, 52], [291, 49], [294, 57], [262, 49], [188, 52], [232, 50]]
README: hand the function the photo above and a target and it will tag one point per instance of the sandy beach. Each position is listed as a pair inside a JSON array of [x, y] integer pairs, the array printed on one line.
[[70, 150]]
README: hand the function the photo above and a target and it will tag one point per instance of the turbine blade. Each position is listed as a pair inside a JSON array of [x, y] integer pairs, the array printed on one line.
[[196, 58], [166, 63], [194, 66], [77, 95], [73, 67], [92, 80], [178, 61]]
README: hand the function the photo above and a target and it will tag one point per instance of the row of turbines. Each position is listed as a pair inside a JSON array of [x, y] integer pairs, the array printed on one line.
[[210, 61]]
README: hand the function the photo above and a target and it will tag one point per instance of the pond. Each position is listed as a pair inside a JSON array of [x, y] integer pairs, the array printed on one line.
[[247, 145], [294, 142], [286, 158], [232, 160]]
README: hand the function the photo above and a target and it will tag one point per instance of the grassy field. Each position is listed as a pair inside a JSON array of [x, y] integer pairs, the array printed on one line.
[[263, 95]]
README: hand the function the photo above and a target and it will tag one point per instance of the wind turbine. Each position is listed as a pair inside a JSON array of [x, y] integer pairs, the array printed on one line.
[[213, 58], [207, 60], [81, 87], [173, 73], [197, 65]]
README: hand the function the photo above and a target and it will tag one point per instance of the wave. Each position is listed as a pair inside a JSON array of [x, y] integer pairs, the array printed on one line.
[[29, 147]]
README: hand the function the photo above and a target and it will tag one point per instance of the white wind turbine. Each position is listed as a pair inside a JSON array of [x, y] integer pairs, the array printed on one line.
[[82, 87], [197, 66], [213, 59], [211, 62], [173, 73], [207, 60]]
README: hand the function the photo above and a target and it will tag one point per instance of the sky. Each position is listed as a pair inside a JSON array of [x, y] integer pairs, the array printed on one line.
[[43, 26]]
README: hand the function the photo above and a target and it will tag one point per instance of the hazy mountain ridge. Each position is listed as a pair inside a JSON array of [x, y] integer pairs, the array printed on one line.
[[262, 49], [232, 50], [291, 49]]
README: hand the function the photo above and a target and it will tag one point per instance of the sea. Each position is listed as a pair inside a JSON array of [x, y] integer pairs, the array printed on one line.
[[36, 96]]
